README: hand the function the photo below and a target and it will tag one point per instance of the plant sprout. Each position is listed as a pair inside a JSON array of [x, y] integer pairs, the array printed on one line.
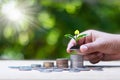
[[77, 35]]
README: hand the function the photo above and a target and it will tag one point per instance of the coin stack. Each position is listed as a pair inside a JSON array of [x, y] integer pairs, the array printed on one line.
[[35, 66], [76, 61], [62, 63], [48, 64]]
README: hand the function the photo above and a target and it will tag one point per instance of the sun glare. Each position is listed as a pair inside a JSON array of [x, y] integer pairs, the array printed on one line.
[[17, 19], [11, 12], [15, 15], [19, 16]]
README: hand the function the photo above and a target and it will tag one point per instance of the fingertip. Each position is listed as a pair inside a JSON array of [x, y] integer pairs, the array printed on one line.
[[83, 48], [68, 50]]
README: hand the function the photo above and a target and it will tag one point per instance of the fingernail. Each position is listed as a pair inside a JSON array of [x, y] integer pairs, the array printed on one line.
[[70, 45], [83, 48]]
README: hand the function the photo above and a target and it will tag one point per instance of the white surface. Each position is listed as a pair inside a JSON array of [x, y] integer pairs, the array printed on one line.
[[14, 74]]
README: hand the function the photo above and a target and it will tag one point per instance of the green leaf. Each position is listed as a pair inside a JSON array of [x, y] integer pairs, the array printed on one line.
[[69, 36], [81, 36]]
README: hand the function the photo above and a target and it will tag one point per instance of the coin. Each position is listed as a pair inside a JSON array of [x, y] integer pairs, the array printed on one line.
[[57, 70], [84, 69], [25, 68], [74, 70], [97, 68], [45, 70], [76, 61], [62, 63], [14, 67], [76, 57], [36, 66], [48, 64]]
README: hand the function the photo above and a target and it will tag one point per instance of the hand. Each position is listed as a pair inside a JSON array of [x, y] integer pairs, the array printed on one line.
[[98, 46]]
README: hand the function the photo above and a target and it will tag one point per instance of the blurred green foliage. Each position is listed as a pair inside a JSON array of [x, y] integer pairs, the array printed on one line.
[[40, 35]]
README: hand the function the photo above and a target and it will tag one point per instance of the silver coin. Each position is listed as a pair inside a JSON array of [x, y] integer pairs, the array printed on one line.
[[47, 70], [75, 64], [36, 66], [97, 68], [74, 70], [25, 68], [14, 67], [57, 70], [66, 69], [84, 69], [76, 57], [41, 69]]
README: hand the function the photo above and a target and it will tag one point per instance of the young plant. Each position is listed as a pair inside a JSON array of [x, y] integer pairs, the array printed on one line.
[[76, 37]]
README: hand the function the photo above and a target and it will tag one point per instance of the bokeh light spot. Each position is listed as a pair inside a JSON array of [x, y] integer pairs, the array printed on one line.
[[53, 37], [11, 54], [71, 7], [46, 20], [8, 32], [46, 2], [23, 38]]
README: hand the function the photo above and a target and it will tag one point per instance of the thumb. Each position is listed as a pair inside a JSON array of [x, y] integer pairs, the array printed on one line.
[[89, 48]]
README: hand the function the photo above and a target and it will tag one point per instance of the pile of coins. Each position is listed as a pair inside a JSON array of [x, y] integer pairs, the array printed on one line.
[[62, 64]]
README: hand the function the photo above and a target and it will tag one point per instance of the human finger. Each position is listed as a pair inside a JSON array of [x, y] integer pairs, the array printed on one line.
[[89, 48], [111, 57], [94, 57], [70, 44]]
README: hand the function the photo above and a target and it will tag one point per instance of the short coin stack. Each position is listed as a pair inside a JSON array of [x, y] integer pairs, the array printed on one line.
[[35, 66], [62, 63], [48, 64]]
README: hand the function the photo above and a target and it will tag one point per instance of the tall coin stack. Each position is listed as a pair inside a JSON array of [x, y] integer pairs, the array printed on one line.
[[62, 63], [76, 61]]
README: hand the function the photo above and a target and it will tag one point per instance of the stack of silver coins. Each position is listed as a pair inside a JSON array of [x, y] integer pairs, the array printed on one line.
[[48, 64], [76, 61], [35, 66], [62, 63]]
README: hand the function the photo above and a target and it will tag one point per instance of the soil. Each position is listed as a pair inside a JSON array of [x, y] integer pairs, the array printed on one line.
[[75, 47]]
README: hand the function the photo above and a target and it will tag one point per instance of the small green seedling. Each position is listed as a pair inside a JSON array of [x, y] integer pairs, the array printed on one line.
[[77, 36]]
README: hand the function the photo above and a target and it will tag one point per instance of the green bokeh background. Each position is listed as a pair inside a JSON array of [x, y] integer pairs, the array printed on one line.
[[41, 36]]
